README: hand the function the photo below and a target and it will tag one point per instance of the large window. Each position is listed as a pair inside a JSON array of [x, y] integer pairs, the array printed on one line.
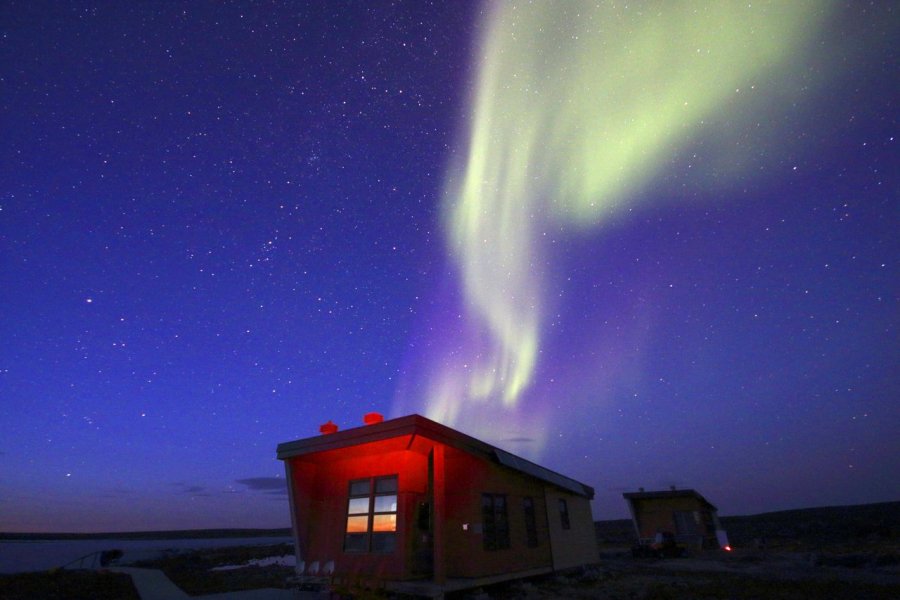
[[687, 522], [531, 537], [372, 515], [564, 514], [495, 523]]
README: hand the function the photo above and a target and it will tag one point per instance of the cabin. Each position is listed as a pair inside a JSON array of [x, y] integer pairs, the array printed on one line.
[[411, 505], [692, 519]]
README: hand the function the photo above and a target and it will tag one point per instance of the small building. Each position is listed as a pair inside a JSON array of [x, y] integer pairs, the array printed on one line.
[[410, 504], [685, 513]]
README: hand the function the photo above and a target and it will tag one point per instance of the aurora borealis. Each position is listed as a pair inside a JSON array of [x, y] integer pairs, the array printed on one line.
[[576, 106], [644, 244]]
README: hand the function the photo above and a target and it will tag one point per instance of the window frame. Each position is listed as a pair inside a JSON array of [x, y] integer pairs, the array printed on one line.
[[530, 512], [373, 539], [564, 519], [495, 522], [687, 522]]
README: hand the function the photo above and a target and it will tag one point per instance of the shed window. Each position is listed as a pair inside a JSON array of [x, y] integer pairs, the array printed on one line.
[[372, 515], [531, 537], [687, 522], [496, 525], [564, 514]]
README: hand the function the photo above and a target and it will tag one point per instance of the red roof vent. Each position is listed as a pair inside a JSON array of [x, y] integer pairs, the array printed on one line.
[[328, 427], [372, 418]]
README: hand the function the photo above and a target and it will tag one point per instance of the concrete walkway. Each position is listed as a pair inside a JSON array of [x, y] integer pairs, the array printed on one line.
[[267, 594], [152, 584]]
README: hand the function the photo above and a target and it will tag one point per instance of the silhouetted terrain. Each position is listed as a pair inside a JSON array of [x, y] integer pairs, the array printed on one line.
[[181, 534], [818, 526], [807, 528]]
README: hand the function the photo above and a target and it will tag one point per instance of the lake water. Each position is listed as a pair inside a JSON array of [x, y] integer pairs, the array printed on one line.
[[39, 555]]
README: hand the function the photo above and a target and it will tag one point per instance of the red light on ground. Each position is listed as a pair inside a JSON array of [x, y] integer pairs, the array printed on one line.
[[727, 548]]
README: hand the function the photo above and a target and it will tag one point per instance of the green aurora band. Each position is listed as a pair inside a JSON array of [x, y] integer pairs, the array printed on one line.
[[576, 107]]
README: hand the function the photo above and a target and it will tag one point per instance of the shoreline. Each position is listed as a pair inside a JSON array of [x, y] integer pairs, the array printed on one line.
[[178, 534], [30, 555]]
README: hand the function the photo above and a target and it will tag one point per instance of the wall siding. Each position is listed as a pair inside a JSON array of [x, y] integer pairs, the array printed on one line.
[[577, 545]]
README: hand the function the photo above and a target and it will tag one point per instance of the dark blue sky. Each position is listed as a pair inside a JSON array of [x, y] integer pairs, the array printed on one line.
[[221, 226]]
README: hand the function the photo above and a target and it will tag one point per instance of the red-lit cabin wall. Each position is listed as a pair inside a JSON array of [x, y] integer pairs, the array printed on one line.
[[467, 478], [320, 496]]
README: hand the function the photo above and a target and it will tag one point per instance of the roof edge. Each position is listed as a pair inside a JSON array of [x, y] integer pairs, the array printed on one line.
[[417, 424], [662, 494]]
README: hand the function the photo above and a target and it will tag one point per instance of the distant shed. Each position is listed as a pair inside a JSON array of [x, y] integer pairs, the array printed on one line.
[[692, 519], [411, 500]]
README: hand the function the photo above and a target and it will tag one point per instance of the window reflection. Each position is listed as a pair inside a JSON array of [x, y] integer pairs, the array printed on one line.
[[372, 515]]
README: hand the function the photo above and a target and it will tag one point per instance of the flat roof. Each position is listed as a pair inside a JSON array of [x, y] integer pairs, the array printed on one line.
[[419, 425], [667, 494]]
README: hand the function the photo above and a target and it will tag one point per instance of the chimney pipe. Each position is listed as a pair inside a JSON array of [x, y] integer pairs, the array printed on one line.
[[372, 418], [328, 427]]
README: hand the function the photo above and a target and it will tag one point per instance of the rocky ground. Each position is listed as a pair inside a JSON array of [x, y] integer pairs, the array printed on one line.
[[845, 553], [738, 576], [869, 571]]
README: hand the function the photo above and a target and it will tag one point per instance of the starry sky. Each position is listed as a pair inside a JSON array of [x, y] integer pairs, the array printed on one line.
[[223, 224]]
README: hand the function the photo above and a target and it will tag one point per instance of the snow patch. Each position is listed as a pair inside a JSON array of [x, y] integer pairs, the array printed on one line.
[[288, 560]]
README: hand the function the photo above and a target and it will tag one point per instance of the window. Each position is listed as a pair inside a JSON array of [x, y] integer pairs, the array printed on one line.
[[372, 515], [496, 525], [531, 538], [564, 514], [687, 522]]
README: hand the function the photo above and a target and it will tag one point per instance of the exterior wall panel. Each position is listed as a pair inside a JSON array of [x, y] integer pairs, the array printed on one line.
[[657, 515], [321, 493], [576, 545], [468, 478]]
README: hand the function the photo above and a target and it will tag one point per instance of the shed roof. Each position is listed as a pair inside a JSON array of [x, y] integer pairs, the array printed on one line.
[[419, 425], [668, 494]]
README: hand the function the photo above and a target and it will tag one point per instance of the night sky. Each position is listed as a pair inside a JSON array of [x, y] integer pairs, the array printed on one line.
[[223, 224]]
